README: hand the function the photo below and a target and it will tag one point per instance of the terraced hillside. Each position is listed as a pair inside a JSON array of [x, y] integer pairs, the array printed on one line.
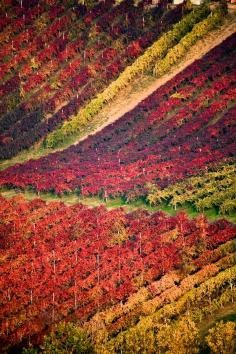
[[75, 278]]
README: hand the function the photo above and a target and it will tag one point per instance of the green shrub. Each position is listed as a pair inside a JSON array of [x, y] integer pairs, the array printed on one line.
[[67, 338]]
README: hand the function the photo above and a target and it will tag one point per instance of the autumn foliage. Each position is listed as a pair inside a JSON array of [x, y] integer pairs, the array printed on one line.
[[60, 55], [67, 263], [183, 128], [77, 279]]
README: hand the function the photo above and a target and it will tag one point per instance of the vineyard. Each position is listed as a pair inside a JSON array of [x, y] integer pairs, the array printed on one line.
[[74, 56], [185, 127], [142, 260], [79, 278]]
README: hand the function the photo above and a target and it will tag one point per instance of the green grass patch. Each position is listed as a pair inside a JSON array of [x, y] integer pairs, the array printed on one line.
[[113, 203]]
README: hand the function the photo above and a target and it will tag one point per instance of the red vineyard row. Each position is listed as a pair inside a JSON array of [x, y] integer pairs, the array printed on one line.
[[60, 262], [69, 73], [180, 129]]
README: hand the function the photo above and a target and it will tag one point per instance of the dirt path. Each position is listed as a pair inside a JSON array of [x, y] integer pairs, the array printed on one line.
[[143, 87], [132, 95]]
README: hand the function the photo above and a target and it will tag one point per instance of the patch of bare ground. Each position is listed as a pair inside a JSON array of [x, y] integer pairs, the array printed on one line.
[[141, 88], [137, 91]]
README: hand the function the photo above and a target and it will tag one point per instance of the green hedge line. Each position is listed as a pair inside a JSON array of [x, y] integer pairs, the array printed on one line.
[[144, 63]]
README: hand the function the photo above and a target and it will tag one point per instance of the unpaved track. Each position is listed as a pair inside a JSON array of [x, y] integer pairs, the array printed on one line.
[[135, 93], [143, 87]]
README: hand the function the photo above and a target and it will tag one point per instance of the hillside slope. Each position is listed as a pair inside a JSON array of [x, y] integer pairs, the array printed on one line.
[[138, 90], [183, 129], [57, 62], [146, 85], [159, 274], [118, 275]]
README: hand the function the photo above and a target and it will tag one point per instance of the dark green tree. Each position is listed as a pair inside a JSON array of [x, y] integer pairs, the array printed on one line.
[[66, 338]]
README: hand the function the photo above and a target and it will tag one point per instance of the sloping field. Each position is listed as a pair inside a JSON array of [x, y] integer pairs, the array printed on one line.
[[76, 278], [184, 128], [71, 263], [58, 57]]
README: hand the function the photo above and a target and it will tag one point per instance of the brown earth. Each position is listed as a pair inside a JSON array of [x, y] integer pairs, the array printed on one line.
[[134, 93], [144, 86]]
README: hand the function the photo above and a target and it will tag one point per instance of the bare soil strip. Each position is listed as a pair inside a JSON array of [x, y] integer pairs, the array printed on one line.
[[146, 85], [137, 91]]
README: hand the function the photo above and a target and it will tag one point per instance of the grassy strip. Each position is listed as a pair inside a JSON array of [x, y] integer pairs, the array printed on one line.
[[73, 198]]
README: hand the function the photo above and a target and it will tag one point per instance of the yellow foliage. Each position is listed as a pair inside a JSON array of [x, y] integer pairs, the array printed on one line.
[[178, 51], [181, 338], [144, 63], [222, 338], [138, 341], [118, 233], [33, 63], [22, 91], [42, 22]]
